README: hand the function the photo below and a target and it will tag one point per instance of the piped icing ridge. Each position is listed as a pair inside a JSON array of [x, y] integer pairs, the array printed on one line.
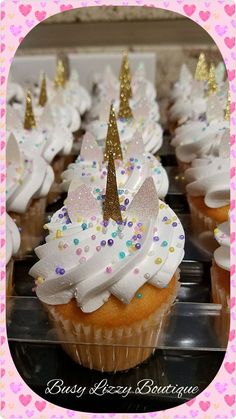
[[12, 238], [222, 253], [210, 177], [88, 259], [27, 177]]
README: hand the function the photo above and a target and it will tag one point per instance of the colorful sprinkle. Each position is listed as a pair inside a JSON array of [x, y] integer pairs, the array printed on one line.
[[76, 241], [122, 255], [78, 251], [171, 249], [139, 295], [108, 269], [158, 261], [164, 243]]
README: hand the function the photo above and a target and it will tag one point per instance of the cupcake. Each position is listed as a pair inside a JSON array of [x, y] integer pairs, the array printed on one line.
[[220, 279], [108, 273], [62, 111], [208, 189], [197, 139], [12, 247], [42, 136], [134, 113], [133, 165], [192, 105], [28, 181]]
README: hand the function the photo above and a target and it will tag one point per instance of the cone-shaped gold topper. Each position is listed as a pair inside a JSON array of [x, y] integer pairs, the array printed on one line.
[[43, 92], [60, 77], [227, 108], [124, 109], [113, 139], [201, 72], [29, 121], [125, 75], [212, 83], [111, 208]]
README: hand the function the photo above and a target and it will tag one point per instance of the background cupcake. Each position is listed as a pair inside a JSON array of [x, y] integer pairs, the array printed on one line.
[[28, 182], [133, 165]]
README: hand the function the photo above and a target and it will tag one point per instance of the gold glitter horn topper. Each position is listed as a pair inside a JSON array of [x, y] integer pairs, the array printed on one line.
[[125, 74], [113, 139], [124, 109], [212, 83], [29, 121], [60, 77], [111, 207], [201, 72], [43, 92], [227, 108]]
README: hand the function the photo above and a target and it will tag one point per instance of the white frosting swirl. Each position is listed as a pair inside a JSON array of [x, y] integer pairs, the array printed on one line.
[[198, 139], [186, 108], [130, 173], [12, 238], [14, 92], [88, 260], [210, 177], [222, 253], [76, 95], [46, 140], [27, 177], [151, 132]]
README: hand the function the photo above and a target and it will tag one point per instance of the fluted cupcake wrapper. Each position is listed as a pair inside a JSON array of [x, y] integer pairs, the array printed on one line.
[[220, 296], [199, 221], [115, 349]]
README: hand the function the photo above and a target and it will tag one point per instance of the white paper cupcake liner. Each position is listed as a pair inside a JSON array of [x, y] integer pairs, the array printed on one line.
[[112, 349], [199, 221]]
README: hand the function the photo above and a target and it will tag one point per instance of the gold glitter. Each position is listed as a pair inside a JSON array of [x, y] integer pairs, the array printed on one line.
[[111, 207], [113, 140], [58, 234], [39, 280], [60, 77], [227, 108], [29, 121], [201, 72], [125, 74], [212, 84], [125, 90], [43, 92]]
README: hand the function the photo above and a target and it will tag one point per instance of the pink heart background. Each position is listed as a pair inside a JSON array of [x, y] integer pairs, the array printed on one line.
[[218, 400]]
